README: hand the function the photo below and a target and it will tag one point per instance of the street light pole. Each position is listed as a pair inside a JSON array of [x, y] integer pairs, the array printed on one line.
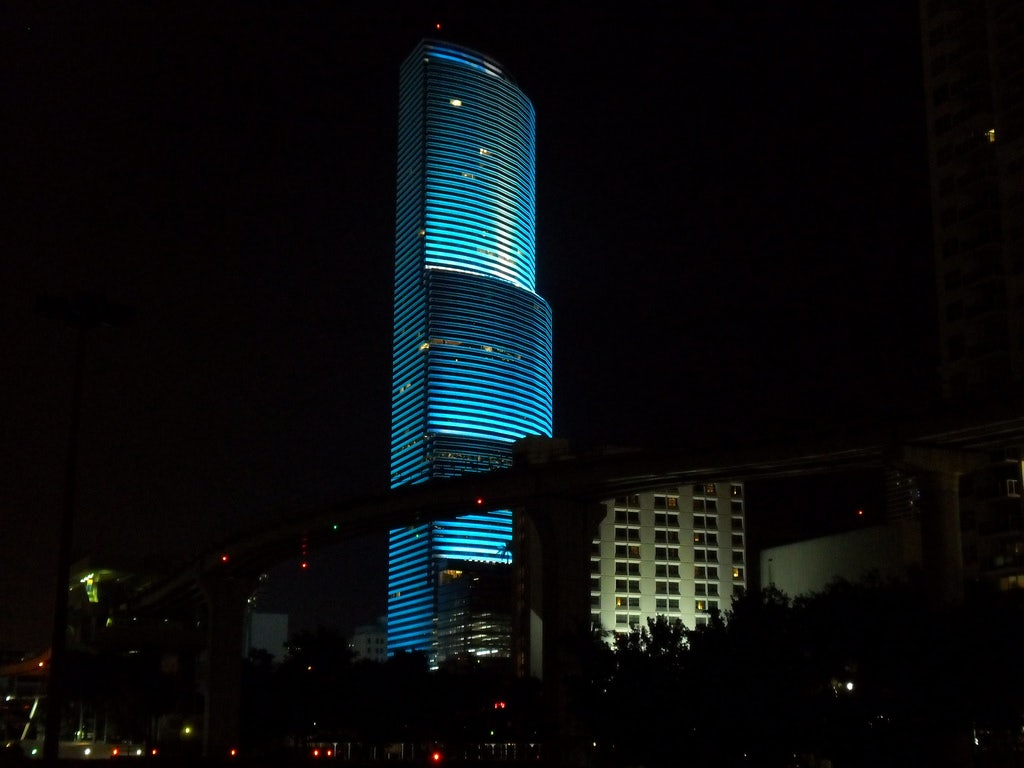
[[83, 312]]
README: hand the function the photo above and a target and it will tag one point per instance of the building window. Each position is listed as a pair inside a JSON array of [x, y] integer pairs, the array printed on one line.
[[627, 516], [673, 502], [660, 503], [670, 537], [595, 583], [666, 570], [700, 589], [737, 539], [664, 518], [736, 490], [712, 572], [737, 523], [595, 566], [700, 555], [737, 573], [627, 569], [736, 507], [713, 590], [737, 556], [700, 572], [627, 585], [595, 601], [627, 602], [664, 603], [666, 553], [712, 539], [628, 501], [666, 587], [627, 534], [595, 548]]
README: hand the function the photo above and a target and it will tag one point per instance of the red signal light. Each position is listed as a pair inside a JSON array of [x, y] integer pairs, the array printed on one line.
[[223, 558], [435, 757], [233, 753], [479, 502], [316, 753]]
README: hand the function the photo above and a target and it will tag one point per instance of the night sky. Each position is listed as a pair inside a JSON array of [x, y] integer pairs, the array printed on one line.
[[733, 234]]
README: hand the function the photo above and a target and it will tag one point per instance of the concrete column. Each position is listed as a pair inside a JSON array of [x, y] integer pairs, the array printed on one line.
[[555, 610], [226, 596], [938, 471], [942, 556]]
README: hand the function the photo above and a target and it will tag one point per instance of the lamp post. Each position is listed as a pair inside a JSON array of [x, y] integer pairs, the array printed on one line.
[[83, 312]]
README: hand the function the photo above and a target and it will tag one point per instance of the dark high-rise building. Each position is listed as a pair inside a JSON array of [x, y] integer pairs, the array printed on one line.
[[472, 363], [974, 94], [974, 82]]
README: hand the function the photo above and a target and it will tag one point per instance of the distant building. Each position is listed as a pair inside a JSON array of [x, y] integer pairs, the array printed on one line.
[[679, 553], [370, 642], [472, 343], [992, 522], [887, 551]]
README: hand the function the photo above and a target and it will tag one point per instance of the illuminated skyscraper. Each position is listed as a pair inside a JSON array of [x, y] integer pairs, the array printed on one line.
[[472, 339]]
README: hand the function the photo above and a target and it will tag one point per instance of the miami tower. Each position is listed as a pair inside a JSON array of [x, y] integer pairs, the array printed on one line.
[[472, 360]]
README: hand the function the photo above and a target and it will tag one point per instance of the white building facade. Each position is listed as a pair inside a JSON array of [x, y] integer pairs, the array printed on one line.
[[678, 552]]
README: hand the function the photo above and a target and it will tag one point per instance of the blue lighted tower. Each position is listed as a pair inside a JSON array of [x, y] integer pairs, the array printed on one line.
[[472, 339]]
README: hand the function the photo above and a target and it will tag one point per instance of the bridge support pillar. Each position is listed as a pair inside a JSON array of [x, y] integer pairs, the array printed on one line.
[[226, 597], [938, 471], [553, 613]]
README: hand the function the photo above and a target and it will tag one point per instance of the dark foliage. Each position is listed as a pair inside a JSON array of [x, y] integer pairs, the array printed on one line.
[[868, 674]]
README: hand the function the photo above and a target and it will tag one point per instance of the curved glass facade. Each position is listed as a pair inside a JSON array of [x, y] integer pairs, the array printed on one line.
[[472, 364]]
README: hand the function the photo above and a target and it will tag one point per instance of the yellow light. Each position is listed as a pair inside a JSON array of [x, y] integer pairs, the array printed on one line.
[[456, 102], [991, 133]]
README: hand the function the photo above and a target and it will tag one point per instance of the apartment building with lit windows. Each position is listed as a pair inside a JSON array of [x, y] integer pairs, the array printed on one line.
[[678, 552]]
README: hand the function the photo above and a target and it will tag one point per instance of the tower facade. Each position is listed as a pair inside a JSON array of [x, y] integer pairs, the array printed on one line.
[[974, 81], [472, 361], [974, 99]]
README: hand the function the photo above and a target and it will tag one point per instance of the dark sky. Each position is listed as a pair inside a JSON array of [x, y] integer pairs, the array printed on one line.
[[732, 231]]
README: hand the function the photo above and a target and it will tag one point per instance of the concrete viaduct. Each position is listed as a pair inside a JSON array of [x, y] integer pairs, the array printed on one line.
[[556, 503]]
